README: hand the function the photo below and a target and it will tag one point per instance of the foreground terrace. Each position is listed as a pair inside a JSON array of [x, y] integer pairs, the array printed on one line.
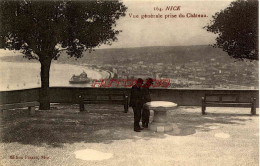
[[225, 136]]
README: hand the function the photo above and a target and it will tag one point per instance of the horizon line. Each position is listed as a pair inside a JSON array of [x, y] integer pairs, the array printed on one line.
[[156, 46]]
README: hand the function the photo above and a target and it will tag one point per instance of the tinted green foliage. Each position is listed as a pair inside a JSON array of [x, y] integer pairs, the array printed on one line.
[[237, 29]]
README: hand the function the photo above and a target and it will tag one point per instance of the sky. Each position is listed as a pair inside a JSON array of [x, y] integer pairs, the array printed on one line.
[[138, 32]]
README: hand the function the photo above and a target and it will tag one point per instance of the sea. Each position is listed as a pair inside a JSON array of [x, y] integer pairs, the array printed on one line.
[[21, 75]]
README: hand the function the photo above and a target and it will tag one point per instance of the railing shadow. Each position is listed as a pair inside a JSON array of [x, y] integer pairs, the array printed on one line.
[[100, 124]]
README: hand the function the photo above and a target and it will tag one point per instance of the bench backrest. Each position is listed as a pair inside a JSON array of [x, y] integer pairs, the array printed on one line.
[[103, 97], [19, 105], [227, 98]]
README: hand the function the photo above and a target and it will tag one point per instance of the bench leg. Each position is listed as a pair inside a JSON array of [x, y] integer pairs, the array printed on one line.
[[82, 107], [2, 112], [203, 106], [126, 108], [253, 108], [203, 110], [31, 110], [126, 105]]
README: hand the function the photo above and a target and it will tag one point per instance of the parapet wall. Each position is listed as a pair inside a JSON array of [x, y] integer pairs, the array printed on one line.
[[183, 97]]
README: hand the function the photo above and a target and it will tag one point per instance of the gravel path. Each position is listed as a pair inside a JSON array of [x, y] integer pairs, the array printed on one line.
[[104, 136]]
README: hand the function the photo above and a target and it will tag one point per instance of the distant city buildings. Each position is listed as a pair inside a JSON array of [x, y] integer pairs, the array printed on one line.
[[205, 72], [193, 74]]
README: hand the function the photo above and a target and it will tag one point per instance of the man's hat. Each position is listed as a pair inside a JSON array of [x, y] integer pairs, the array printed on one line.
[[149, 80], [140, 80]]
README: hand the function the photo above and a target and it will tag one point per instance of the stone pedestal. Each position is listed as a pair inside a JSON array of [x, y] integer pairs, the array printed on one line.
[[31, 110], [160, 121]]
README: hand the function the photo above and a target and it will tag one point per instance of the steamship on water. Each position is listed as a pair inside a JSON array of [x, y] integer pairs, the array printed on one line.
[[79, 79]]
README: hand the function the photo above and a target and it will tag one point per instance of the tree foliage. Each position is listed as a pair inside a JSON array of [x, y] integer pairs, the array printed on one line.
[[41, 29], [237, 29], [43, 26]]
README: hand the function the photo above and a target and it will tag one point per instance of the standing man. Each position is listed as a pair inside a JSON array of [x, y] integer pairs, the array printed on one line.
[[136, 102], [147, 98]]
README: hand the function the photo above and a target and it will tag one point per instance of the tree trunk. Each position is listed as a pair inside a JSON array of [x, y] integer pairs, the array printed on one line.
[[45, 90]]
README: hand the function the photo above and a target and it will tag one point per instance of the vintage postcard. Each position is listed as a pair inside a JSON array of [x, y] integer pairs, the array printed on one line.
[[122, 82]]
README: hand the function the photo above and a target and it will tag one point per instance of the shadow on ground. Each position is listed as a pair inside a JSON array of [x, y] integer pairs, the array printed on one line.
[[101, 123]]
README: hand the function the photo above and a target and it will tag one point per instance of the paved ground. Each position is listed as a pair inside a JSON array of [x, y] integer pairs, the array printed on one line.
[[104, 136]]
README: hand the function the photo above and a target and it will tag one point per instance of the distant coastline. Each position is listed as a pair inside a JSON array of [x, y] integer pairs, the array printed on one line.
[[195, 66]]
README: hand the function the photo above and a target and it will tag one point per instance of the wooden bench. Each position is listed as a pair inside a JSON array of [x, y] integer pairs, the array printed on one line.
[[30, 105], [121, 99], [226, 100]]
